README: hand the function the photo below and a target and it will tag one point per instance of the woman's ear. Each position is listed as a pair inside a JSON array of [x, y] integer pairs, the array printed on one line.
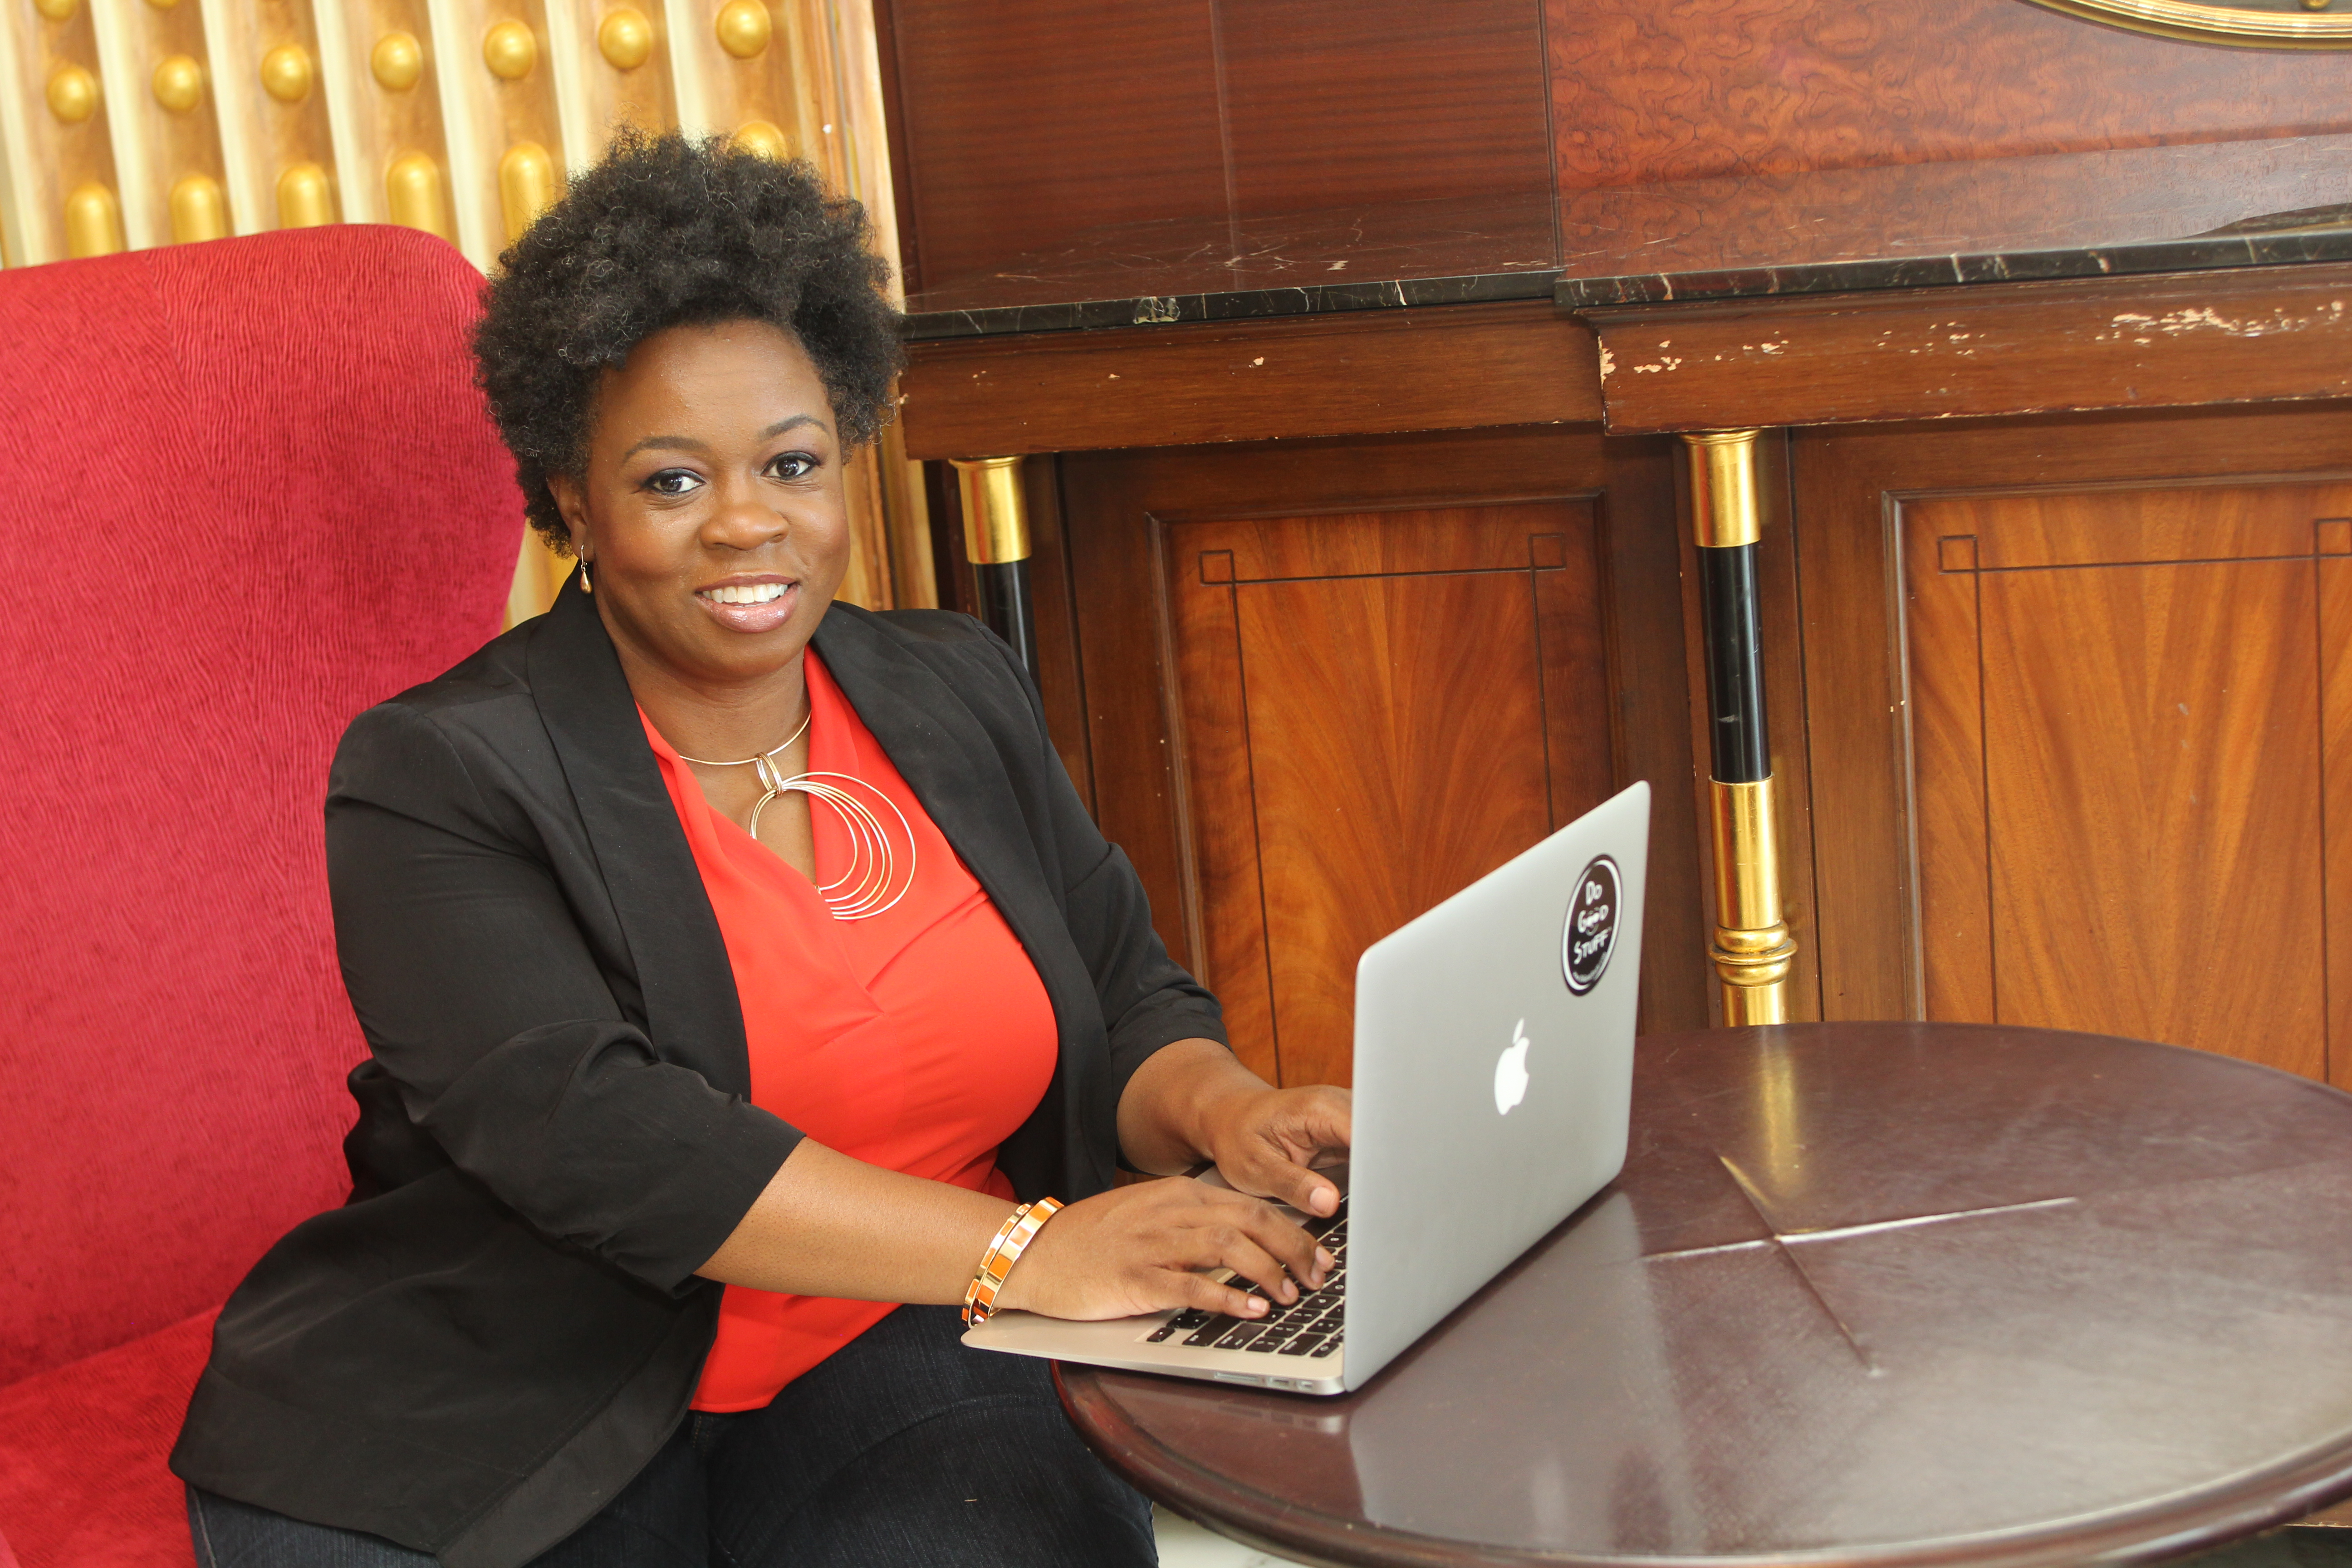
[[574, 508]]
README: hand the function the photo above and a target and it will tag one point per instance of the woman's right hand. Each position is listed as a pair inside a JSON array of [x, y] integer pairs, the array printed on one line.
[[1152, 1246]]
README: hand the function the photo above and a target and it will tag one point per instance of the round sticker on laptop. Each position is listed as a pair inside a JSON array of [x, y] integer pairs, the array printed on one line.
[[1591, 933]]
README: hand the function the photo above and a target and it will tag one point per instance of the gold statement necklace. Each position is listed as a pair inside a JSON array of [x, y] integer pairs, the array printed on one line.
[[871, 884]]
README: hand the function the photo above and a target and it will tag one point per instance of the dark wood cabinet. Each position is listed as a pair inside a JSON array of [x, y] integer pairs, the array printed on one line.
[[1353, 351], [1328, 684], [2096, 794]]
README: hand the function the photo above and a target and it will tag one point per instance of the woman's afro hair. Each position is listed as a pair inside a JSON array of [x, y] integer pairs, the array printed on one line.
[[668, 230]]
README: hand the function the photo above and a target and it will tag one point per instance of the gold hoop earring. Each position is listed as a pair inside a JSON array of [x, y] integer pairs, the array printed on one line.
[[585, 586]]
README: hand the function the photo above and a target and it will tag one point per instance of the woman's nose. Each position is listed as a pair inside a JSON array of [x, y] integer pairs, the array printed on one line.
[[744, 518]]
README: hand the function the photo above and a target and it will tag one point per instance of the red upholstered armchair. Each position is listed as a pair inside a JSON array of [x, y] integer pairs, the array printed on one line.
[[246, 489]]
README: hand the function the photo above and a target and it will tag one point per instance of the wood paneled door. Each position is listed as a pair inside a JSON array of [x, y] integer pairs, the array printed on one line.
[[2128, 748], [1377, 708], [1329, 684], [2119, 706]]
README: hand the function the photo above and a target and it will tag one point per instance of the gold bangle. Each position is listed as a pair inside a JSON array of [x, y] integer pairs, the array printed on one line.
[[1012, 1238]]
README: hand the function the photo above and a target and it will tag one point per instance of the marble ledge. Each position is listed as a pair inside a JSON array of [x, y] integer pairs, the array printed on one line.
[[2196, 254], [1232, 305]]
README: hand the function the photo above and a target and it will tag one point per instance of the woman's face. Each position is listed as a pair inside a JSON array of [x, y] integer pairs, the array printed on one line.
[[711, 513]]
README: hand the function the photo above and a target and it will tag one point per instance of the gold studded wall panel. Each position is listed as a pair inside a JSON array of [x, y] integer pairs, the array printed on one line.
[[62, 189], [130, 123]]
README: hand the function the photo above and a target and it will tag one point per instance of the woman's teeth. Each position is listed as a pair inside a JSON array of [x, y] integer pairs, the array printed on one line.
[[753, 593]]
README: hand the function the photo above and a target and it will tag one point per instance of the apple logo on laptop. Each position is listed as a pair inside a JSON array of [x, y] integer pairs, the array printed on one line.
[[1511, 1070]]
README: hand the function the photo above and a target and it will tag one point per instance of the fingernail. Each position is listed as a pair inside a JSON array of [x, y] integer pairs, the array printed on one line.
[[1256, 1305], [1323, 1261]]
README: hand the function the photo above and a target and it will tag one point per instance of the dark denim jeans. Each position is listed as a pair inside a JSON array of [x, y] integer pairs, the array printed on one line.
[[902, 1448]]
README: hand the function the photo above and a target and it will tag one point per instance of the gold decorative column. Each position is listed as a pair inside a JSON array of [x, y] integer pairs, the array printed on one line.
[[1752, 948], [996, 541]]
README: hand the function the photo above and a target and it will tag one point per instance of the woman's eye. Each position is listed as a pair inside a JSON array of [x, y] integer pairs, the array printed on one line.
[[673, 482], [792, 466]]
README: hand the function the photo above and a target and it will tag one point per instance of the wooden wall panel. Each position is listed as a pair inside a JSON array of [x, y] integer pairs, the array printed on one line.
[[1019, 126], [2133, 842], [2248, 334], [1353, 652], [1450, 367], [1372, 718], [1368, 105], [2076, 696], [2335, 765], [1642, 92]]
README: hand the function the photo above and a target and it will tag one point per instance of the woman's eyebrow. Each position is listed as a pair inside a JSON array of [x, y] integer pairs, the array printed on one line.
[[688, 443], [781, 425], [674, 443]]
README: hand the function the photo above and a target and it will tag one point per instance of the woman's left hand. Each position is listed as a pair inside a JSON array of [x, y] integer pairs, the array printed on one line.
[[1193, 1100], [1269, 1143]]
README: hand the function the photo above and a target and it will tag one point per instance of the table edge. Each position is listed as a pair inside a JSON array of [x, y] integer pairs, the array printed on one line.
[[2229, 1511]]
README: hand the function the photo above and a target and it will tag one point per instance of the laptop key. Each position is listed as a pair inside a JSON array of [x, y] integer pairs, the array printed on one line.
[[1212, 1330], [1301, 1345], [1240, 1336], [1326, 1348]]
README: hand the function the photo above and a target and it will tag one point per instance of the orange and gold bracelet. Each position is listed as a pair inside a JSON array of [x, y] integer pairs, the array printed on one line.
[[1012, 1238]]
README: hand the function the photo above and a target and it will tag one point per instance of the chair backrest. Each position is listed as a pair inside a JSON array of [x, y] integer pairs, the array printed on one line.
[[247, 489]]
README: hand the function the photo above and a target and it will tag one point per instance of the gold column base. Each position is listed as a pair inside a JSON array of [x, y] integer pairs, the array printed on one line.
[[1752, 948], [995, 513]]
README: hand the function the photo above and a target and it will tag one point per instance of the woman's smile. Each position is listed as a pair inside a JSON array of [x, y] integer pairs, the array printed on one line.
[[750, 602]]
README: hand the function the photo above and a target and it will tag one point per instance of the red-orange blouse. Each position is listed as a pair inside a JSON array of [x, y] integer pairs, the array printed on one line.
[[917, 1040]]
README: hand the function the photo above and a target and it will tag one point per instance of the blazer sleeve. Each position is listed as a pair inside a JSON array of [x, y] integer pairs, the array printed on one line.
[[1149, 1000], [481, 997]]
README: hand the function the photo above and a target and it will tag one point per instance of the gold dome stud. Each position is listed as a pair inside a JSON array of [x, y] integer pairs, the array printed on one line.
[[198, 209], [73, 94], [761, 137], [625, 38], [304, 198], [744, 27], [411, 189], [93, 222], [179, 83], [526, 186], [58, 11], [510, 50], [397, 61], [286, 73]]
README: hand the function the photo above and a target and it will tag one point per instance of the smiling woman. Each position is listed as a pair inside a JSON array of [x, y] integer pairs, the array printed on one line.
[[739, 971]]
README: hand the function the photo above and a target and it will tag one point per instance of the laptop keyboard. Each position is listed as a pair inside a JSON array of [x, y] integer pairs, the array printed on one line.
[[1311, 1326]]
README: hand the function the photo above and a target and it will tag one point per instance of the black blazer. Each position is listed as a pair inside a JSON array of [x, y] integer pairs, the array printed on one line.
[[555, 1131]]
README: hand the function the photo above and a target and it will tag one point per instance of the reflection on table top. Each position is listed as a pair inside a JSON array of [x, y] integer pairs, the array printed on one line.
[[1875, 1293], [2072, 215]]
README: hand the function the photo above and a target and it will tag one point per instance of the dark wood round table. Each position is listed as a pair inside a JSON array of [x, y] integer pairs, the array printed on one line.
[[1864, 1294]]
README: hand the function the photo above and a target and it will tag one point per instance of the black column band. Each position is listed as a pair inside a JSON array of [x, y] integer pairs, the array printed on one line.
[[1741, 748], [1004, 605]]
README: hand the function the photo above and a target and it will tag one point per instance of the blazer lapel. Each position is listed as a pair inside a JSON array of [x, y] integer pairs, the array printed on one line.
[[691, 1011], [948, 759]]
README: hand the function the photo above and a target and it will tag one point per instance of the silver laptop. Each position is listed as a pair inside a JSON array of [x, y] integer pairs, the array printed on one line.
[[1493, 1081]]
